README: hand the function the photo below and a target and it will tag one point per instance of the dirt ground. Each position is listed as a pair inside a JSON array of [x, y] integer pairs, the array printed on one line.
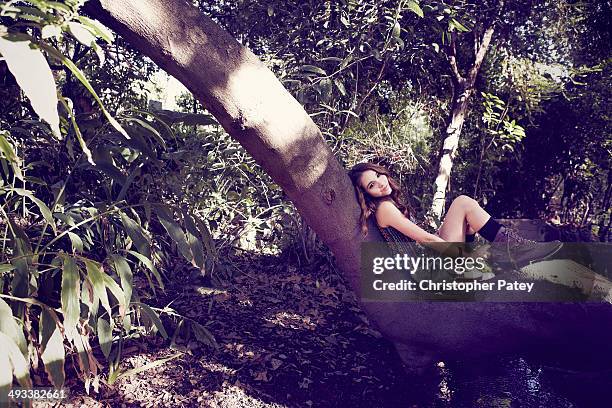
[[293, 336]]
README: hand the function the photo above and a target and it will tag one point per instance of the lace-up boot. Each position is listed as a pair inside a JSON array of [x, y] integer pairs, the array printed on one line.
[[508, 245]]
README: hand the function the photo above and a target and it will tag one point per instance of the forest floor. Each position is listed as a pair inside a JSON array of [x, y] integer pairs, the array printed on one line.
[[294, 336]]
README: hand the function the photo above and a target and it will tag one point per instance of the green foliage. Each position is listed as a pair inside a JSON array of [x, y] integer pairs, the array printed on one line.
[[332, 56], [243, 206], [79, 230], [505, 133]]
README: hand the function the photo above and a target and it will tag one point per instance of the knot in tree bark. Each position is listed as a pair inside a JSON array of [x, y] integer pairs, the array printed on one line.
[[329, 195]]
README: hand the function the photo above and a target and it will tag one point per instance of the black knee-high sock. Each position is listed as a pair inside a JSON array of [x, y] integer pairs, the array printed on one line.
[[490, 229]]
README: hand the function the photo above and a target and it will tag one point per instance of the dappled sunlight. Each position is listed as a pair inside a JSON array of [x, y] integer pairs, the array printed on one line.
[[268, 109], [260, 95], [237, 395], [292, 321], [217, 367]]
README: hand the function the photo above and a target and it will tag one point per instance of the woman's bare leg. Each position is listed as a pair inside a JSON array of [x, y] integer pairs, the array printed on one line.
[[465, 215]]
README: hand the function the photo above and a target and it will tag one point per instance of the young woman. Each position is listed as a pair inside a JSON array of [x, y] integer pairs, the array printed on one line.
[[379, 195]]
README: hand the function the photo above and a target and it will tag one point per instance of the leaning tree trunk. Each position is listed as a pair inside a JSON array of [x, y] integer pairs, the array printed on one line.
[[254, 108], [462, 94]]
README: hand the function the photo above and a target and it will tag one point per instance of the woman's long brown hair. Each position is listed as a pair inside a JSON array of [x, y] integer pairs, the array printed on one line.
[[368, 203]]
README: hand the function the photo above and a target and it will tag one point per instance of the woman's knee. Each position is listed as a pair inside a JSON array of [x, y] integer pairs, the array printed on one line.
[[464, 201]]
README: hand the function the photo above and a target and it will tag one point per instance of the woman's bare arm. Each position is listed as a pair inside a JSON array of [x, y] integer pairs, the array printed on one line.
[[388, 215]]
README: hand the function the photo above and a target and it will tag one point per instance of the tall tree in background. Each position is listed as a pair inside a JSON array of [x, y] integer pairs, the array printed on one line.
[[464, 81]]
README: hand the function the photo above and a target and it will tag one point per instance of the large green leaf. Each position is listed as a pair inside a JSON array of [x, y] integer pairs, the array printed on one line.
[[152, 131], [203, 335], [70, 296], [154, 317], [415, 8], [82, 33], [147, 262], [77, 243], [105, 161], [96, 277], [175, 231], [17, 363], [6, 268], [77, 131], [6, 145], [11, 328], [70, 8], [52, 345], [67, 218], [396, 31], [206, 237], [139, 141], [51, 30], [195, 244], [81, 77], [340, 86], [44, 210], [125, 275], [23, 12], [136, 234], [7, 149], [88, 364], [314, 69], [460, 27], [110, 170], [23, 265], [115, 289], [6, 378], [105, 336], [100, 30], [31, 70]]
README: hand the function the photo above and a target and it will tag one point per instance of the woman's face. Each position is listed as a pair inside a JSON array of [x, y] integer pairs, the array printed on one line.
[[375, 184]]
